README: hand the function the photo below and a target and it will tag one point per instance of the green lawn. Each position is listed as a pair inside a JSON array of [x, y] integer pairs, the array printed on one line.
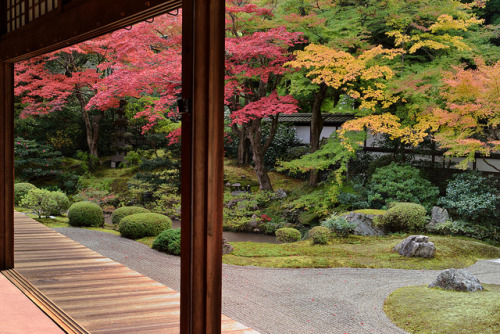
[[418, 309], [353, 252], [359, 252]]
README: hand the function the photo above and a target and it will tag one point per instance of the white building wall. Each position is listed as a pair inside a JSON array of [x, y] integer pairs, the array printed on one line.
[[304, 132]]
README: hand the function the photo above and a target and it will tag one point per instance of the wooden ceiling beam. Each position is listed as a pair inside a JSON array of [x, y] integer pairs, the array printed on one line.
[[76, 22]]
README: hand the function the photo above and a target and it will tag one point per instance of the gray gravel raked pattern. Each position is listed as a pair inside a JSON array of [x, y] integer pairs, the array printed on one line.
[[291, 301]]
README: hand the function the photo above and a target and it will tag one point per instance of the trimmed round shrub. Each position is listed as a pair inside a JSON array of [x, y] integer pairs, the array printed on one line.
[[20, 190], [125, 211], [85, 214], [404, 217], [169, 241], [319, 235], [140, 225], [40, 202], [62, 202], [288, 234], [339, 225]]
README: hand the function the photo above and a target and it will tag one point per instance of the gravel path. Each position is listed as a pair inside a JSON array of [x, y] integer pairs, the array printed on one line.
[[334, 300]]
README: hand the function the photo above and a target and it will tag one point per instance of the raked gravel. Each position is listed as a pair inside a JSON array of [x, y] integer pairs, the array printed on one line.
[[334, 300]]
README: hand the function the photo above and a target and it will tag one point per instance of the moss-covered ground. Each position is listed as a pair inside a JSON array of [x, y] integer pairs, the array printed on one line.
[[246, 176], [418, 309], [359, 252]]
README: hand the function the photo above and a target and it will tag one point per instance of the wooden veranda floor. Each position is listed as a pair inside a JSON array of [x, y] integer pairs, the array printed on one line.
[[99, 294]]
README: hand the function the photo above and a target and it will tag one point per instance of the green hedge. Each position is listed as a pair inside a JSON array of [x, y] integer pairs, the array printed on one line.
[[125, 211], [288, 234], [404, 217], [169, 241], [20, 190], [86, 214], [140, 225]]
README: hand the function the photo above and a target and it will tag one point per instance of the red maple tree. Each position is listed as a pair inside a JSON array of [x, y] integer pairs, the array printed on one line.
[[254, 69], [99, 74]]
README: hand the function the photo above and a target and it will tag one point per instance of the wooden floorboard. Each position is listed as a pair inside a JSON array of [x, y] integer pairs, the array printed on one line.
[[101, 295]]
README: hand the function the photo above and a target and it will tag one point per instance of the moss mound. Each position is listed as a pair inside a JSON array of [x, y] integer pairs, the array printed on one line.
[[439, 311], [140, 225], [125, 211], [85, 214]]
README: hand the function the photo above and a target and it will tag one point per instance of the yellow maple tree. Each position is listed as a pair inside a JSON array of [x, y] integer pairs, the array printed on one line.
[[357, 76]]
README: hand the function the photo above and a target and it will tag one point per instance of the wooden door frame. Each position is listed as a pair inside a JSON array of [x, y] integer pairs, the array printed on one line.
[[202, 165], [202, 131], [6, 166]]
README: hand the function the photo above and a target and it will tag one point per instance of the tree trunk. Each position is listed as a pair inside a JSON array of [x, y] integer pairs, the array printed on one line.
[[316, 128], [91, 126], [259, 151], [243, 148]]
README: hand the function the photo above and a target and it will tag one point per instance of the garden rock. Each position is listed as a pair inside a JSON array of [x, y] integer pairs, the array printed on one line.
[[364, 224], [416, 246], [233, 202], [254, 222], [280, 193], [457, 280], [439, 216], [226, 247]]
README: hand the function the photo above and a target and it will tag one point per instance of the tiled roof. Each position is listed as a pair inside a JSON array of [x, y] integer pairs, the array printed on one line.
[[305, 118]]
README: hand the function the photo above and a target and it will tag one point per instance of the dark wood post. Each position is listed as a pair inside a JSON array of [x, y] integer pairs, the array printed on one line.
[[6, 166], [202, 166]]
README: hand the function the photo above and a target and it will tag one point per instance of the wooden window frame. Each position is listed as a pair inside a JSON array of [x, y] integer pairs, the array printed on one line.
[[202, 130]]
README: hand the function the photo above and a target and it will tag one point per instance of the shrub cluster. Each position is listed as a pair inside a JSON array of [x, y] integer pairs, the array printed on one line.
[[140, 225], [85, 214], [339, 225], [288, 234], [467, 229], [169, 241], [44, 202], [471, 197], [319, 235], [20, 190], [404, 217], [125, 211], [39, 201], [400, 183]]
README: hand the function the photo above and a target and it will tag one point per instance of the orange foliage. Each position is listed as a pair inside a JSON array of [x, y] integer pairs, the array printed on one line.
[[469, 121]]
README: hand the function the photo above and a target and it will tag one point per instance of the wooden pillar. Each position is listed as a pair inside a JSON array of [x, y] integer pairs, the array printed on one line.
[[6, 166], [202, 166]]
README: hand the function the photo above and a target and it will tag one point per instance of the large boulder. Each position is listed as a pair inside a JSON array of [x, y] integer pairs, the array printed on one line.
[[416, 246], [364, 224], [457, 280], [439, 216]]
